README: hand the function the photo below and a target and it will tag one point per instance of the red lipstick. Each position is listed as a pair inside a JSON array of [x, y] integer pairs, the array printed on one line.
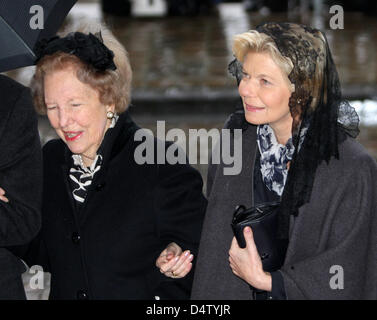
[[71, 135]]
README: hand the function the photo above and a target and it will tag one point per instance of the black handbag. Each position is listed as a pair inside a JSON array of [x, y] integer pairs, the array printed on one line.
[[263, 220]]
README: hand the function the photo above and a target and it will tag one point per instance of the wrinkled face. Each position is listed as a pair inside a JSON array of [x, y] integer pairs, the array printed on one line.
[[75, 112], [265, 92]]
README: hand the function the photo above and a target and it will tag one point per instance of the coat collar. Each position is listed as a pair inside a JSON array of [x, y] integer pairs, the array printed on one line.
[[237, 120]]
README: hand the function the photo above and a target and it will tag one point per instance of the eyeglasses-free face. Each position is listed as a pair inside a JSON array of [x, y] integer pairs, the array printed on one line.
[[265, 93], [75, 112]]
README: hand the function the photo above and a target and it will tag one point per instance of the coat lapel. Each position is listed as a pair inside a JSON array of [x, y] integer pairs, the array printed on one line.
[[242, 184], [227, 192]]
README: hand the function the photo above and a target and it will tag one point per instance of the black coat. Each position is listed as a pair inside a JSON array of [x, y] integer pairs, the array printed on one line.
[[21, 178], [108, 249]]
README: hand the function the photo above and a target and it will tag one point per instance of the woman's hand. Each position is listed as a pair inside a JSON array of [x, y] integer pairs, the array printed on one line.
[[174, 263], [2, 195], [247, 264]]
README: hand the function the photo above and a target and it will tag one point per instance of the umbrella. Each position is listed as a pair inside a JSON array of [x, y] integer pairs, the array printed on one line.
[[23, 23]]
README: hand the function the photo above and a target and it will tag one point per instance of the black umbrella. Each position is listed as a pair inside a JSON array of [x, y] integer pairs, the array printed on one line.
[[23, 23]]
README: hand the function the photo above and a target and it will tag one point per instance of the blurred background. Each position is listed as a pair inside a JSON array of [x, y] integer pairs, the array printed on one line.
[[179, 51]]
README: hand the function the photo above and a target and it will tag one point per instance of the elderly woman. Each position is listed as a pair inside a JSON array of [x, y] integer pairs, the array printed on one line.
[[106, 218], [298, 149]]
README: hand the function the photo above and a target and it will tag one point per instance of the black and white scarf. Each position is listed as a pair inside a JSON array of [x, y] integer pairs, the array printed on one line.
[[82, 176]]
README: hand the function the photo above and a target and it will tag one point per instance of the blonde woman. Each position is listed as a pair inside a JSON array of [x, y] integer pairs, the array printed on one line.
[[298, 149]]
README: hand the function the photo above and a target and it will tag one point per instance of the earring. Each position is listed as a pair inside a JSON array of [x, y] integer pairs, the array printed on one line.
[[110, 115]]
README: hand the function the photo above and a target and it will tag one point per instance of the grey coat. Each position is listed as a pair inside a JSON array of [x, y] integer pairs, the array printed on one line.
[[335, 232]]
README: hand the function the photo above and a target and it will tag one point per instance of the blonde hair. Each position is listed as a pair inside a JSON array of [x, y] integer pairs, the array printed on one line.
[[254, 41], [113, 86]]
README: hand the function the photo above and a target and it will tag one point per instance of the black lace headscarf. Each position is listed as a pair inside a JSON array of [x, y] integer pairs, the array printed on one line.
[[316, 103]]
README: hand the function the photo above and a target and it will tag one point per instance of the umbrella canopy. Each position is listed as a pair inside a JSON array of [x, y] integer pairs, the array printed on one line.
[[22, 24]]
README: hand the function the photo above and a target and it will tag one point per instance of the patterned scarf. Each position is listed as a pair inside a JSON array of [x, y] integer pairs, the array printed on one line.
[[275, 157], [82, 176]]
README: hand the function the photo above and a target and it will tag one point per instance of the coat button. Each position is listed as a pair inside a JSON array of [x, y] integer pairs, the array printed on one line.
[[264, 256], [100, 186], [75, 238], [82, 295]]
